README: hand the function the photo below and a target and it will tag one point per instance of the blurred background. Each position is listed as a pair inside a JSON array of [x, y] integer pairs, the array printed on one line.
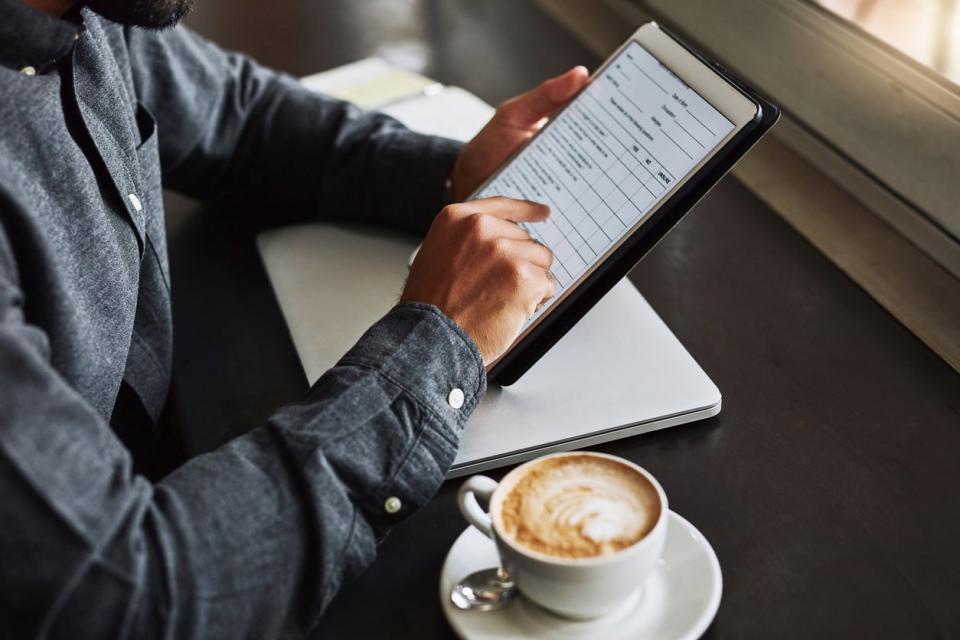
[[441, 39], [925, 30]]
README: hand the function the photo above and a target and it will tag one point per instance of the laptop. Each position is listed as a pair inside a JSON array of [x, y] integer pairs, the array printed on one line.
[[619, 372]]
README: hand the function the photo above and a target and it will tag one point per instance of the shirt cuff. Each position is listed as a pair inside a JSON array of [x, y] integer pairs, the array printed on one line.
[[425, 353]]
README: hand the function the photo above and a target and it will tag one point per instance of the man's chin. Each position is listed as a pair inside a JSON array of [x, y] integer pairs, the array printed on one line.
[[152, 14]]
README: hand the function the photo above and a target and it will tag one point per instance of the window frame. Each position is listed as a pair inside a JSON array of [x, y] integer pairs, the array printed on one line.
[[902, 161]]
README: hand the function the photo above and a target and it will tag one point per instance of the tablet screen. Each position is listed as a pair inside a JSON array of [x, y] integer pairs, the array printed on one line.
[[608, 159]]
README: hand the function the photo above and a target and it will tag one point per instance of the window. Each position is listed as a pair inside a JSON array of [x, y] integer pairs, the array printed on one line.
[[928, 31]]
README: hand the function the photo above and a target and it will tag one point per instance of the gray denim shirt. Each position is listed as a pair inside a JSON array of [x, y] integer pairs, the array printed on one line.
[[254, 539]]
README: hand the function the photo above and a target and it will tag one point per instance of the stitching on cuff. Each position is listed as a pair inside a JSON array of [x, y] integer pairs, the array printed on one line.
[[387, 484], [421, 402], [426, 421], [466, 339]]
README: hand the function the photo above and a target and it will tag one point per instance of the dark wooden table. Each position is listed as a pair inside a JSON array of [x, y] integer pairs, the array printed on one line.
[[829, 484]]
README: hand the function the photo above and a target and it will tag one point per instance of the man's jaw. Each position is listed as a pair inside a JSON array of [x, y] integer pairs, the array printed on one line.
[[151, 14]]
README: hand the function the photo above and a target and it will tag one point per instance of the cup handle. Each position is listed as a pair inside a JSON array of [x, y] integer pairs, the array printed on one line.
[[482, 487]]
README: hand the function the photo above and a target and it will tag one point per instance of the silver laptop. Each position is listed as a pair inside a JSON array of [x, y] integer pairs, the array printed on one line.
[[619, 372]]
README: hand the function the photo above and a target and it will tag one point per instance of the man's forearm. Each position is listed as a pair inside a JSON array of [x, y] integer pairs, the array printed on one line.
[[250, 540], [328, 477], [323, 158]]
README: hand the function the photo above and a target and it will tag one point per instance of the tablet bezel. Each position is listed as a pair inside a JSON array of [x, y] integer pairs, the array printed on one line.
[[730, 98]]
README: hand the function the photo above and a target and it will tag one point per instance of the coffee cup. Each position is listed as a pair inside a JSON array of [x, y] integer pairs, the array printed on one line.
[[578, 532]]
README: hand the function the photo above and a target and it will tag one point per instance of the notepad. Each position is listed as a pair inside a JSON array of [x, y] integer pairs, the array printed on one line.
[[371, 83]]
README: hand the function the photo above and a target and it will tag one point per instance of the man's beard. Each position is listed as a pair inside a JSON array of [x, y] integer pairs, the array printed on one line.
[[152, 14]]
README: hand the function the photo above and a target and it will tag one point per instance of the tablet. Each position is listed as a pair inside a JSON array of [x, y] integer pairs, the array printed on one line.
[[655, 128]]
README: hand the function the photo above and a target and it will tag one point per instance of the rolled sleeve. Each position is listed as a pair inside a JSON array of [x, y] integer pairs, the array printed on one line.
[[422, 355], [421, 350]]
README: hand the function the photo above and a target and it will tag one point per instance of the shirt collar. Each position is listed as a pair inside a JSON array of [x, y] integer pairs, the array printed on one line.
[[32, 39]]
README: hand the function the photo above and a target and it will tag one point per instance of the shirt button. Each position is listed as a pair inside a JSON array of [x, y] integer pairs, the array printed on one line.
[[28, 71], [135, 201], [455, 399], [392, 505]]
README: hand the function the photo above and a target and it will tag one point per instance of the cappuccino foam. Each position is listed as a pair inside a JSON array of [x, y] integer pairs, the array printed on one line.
[[579, 506]]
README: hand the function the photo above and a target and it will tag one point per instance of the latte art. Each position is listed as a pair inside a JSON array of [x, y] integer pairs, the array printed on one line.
[[579, 506]]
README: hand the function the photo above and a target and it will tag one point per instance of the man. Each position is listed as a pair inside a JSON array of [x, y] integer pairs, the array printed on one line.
[[99, 106]]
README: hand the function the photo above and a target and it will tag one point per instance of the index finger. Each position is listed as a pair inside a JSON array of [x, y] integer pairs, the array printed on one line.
[[510, 209]]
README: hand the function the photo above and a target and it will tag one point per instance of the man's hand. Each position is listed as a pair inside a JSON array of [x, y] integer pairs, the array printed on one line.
[[484, 271], [515, 121], [475, 264]]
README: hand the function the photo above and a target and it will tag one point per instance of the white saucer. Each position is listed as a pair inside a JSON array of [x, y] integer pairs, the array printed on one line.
[[679, 600]]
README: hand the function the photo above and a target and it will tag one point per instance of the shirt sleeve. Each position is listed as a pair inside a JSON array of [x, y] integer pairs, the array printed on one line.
[[234, 132], [251, 540]]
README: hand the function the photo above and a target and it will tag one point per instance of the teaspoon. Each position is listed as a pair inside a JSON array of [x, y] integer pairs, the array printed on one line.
[[484, 590]]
